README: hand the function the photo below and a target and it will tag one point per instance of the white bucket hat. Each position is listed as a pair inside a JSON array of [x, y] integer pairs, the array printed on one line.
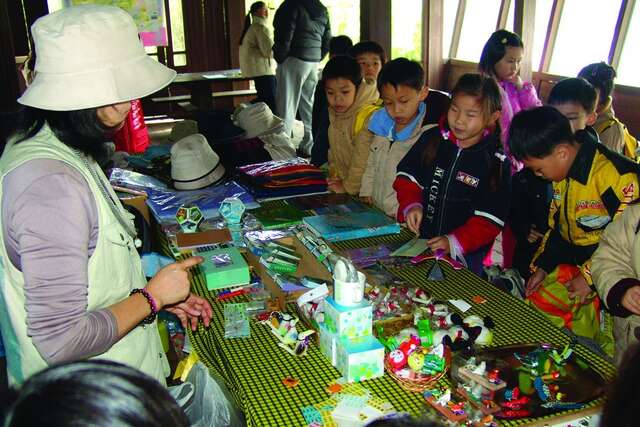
[[89, 56], [194, 164], [256, 119]]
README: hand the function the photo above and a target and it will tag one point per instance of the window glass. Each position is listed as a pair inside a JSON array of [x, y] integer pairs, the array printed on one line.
[[180, 59], [449, 22], [630, 60], [344, 16], [406, 29], [543, 12], [177, 26], [510, 25], [54, 5], [480, 18], [584, 35]]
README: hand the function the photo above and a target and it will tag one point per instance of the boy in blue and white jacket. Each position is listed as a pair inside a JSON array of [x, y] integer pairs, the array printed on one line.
[[396, 128]]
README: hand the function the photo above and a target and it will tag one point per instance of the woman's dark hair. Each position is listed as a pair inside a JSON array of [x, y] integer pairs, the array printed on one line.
[[78, 129], [401, 71], [486, 90], [575, 90], [342, 66], [534, 133], [601, 76], [94, 393], [495, 49], [340, 45], [368, 46], [247, 19], [620, 409]]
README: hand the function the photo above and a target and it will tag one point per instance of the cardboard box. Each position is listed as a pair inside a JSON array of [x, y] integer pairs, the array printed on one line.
[[360, 359], [348, 322], [224, 268], [328, 344], [308, 266]]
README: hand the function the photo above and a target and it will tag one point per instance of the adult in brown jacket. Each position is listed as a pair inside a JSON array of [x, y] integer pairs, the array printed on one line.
[[615, 270]]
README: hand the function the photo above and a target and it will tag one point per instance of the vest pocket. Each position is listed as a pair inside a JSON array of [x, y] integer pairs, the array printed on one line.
[[121, 256]]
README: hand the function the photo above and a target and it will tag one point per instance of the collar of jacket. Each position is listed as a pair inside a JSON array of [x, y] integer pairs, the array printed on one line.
[[260, 20], [447, 135], [366, 93], [581, 166], [382, 124]]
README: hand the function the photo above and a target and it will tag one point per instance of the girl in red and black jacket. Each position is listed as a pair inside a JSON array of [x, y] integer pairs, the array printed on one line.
[[453, 185]]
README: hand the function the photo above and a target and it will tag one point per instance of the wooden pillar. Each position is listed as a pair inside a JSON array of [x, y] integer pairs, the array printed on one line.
[[433, 11], [524, 22], [8, 74], [375, 22]]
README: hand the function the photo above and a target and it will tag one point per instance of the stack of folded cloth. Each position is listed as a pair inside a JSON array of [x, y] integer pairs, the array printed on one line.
[[282, 178]]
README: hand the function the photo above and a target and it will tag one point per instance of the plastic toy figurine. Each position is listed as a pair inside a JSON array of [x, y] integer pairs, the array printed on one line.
[[189, 218], [231, 210]]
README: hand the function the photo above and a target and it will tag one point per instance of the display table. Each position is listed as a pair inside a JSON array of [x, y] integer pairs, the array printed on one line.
[[254, 367]]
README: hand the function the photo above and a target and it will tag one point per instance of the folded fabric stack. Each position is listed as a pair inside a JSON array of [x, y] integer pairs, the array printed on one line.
[[282, 178]]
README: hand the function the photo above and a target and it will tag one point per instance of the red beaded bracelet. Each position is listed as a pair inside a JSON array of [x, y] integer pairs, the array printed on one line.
[[152, 304]]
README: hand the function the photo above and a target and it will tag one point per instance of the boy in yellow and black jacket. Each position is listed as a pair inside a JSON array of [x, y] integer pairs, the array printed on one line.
[[591, 186]]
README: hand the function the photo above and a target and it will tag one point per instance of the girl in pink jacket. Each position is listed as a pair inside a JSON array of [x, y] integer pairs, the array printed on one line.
[[501, 58]]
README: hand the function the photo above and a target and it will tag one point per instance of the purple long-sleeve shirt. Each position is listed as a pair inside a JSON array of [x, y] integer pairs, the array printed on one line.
[[513, 101], [50, 226]]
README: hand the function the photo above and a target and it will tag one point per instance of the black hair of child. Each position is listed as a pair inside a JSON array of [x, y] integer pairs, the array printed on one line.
[[601, 76], [340, 45], [401, 71], [342, 66], [256, 6], [535, 133], [495, 48], [487, 91], [368, 46], [574, 90], [620, 409]]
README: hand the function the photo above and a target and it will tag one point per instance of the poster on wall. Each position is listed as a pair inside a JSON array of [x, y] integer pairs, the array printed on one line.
[[148, 15]]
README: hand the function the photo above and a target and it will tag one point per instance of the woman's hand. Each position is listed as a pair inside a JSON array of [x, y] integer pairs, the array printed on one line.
[[190, 310], [171, 284], [534, 281], [414, 219]]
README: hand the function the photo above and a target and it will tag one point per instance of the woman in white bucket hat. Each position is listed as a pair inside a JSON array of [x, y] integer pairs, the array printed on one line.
[[73, 282]]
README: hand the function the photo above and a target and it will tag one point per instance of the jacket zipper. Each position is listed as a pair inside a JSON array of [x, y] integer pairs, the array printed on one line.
[[446, 188], [566, 210]]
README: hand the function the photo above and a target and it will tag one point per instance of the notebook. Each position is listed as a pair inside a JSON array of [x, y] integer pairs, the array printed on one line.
[[279, 217], [336, 228]]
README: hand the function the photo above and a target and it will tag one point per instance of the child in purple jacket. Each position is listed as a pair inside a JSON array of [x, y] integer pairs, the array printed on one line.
[[501, 57]]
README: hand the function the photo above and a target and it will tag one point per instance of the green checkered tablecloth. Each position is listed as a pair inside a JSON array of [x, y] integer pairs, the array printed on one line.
[[254, 367]]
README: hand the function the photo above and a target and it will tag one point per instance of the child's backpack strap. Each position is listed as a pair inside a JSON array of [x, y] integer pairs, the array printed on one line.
[[630, 142], [362, 116]]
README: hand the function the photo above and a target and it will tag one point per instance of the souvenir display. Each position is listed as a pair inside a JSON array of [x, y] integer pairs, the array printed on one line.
[[526, 381], [189, 218], [283, 326]]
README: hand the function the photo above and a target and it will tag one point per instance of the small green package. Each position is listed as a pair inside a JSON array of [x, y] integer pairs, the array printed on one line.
[[224, 268]]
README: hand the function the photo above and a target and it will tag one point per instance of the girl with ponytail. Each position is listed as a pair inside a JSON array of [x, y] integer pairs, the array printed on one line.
[[256, 43]]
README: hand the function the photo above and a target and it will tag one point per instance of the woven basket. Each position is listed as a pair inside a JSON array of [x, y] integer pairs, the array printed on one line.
[[421, 384]]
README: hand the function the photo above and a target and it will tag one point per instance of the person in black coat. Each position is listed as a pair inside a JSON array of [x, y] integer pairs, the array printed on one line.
[[301, 40]]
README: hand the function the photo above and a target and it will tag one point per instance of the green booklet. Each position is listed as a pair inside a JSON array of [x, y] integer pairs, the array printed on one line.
[[282, 216]]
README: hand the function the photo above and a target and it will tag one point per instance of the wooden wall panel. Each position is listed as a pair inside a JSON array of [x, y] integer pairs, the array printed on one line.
[[375, 22]]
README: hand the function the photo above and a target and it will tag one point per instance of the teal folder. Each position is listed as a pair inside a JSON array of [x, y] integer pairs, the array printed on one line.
[[336, 228]]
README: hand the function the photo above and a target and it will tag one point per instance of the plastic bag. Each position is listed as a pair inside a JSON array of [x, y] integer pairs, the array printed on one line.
[[209, 405]]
